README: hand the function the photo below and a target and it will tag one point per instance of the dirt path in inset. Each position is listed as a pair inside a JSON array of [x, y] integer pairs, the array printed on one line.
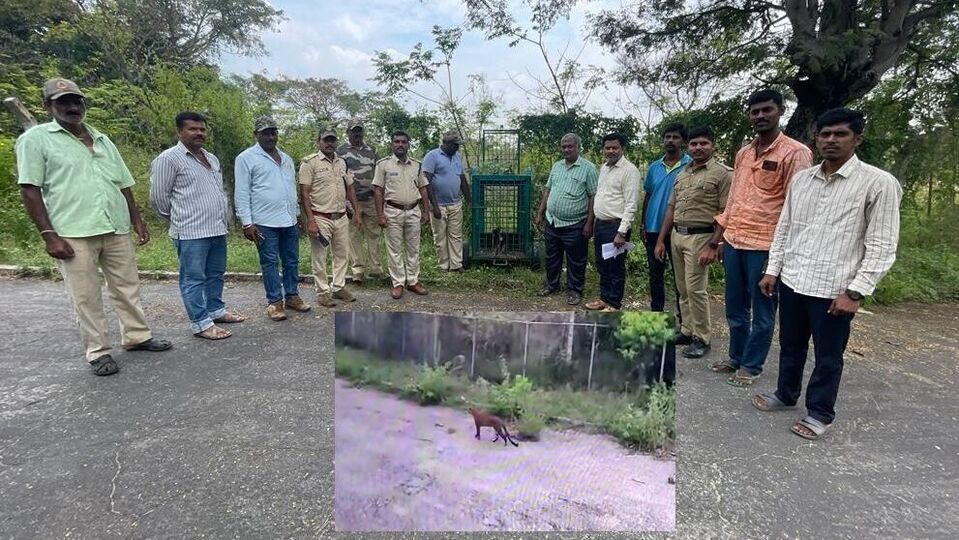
[[400, 466]]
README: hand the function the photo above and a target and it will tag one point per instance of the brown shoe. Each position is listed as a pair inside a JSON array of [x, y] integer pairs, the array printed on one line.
[[595, 305], [396, 292], [358, 278], [275, 311], [325, 300], [344, 295], [297, 304], [417, 288]]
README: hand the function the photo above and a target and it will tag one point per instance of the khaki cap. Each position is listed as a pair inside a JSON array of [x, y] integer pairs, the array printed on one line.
[[326, 131], [54, 88], [451, 136]]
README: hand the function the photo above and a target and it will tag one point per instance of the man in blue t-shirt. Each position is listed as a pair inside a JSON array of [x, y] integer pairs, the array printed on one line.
[[443, 168], [658, 185]]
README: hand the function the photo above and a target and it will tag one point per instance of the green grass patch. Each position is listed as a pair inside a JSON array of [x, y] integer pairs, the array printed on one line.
[[643, 419]]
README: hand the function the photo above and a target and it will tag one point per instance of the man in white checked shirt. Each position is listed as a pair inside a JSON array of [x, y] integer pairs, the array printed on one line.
[[835, 239]]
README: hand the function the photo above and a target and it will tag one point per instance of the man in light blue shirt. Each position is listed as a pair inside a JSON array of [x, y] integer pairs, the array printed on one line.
[[265, 200], [658, 185], [443, 168]]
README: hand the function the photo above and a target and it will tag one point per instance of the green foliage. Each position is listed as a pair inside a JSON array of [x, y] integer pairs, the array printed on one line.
[[530, 426], [510, 398], [17, 228], [640, 330], [650, 426], [431, 386]]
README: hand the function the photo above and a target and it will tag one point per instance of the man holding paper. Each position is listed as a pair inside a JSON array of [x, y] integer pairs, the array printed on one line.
[[615, 204]]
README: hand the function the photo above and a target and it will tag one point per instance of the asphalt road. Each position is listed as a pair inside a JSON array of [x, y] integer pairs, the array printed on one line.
[[235, 438]]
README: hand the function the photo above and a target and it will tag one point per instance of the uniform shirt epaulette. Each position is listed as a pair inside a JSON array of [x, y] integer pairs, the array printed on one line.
[[727, 167], [381, 160], [309, 157]]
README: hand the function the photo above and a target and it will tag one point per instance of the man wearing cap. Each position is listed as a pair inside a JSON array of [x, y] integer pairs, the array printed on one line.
[[265, 200], [364, 242], [77, 190], [400, 190], [186, 191], [443, 168], [325, 187]]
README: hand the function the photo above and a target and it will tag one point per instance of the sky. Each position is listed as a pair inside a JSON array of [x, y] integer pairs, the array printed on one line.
[[337, 39]]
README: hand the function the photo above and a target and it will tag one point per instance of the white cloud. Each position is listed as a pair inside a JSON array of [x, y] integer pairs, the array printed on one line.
[[357, 30]]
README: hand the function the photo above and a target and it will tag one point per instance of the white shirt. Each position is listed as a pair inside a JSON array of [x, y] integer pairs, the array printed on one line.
[[838, 233], [617, 193]]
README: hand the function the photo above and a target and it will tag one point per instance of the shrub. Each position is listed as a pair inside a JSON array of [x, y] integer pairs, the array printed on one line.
[[509, 399], [651, 426], [640, 330], [430, 386]]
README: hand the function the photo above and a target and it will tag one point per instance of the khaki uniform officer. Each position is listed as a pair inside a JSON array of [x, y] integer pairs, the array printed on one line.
[[699, 195], [399, 188], [325, 186]]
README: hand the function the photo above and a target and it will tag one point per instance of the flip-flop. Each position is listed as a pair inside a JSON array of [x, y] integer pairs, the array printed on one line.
[[770, 403], [813, 425], [223, 334], [152, 345], [229, 318], [723, 366], [741, 381]]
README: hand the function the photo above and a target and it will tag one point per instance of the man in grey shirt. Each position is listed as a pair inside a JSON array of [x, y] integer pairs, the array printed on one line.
[[835, 239], [186, 190]]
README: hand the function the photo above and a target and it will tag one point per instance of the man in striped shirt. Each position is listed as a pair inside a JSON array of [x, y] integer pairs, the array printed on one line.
[[567, 207], [836, 238], [186, 190]]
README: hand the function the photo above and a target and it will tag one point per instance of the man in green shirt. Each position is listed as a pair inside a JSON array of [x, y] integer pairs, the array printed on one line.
[[567, 207], [77, 191]]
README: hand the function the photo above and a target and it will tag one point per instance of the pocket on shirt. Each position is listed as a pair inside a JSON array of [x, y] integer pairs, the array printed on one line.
[[768, 181]]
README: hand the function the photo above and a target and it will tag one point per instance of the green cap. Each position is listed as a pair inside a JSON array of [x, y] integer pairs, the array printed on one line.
[[54, 88]]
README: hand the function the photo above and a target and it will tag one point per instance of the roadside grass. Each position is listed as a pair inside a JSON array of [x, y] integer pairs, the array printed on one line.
[[643, 420]]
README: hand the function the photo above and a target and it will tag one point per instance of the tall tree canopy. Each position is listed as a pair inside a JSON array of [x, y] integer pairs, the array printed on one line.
[[828, 52]]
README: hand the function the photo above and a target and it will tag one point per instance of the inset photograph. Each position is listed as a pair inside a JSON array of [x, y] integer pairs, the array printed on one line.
[[505, 422]]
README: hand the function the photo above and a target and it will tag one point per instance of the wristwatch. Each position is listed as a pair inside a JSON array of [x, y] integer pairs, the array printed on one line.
[[854, 295]]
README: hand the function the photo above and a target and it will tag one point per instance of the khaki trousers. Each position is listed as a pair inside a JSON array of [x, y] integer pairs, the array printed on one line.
[[403, 231], [691, 281], [365, 242], [448, 236], [114, 255], [338, 234]]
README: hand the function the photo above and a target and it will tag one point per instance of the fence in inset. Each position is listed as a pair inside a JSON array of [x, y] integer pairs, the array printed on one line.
[[552, 349]]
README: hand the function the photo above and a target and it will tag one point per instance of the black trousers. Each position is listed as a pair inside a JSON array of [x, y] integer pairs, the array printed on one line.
[[612, 272], [569, 241], [800, 317], [657, 272]]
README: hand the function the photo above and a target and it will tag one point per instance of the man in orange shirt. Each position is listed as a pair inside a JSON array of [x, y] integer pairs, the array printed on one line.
[[761, 175]]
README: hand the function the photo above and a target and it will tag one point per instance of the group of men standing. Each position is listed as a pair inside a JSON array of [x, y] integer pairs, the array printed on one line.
[[810, 240]]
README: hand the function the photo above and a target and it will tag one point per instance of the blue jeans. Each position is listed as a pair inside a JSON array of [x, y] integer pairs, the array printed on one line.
[[279, 245], [202, 264], [612, 272], [749, 338]]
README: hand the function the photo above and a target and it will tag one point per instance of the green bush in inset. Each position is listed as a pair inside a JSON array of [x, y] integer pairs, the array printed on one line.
[[430, 387]]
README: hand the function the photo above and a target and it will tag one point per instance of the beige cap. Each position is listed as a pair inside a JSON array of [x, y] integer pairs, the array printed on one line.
[[354, 123], [451, 136], [57, 87], [325, 132]]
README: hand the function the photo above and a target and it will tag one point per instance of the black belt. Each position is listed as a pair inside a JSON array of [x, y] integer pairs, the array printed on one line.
[[402, 206], [616, 221], [693, 230], [330, 216]]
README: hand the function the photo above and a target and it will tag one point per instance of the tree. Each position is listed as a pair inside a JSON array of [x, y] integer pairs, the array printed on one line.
[[827, 53], [570, 83]]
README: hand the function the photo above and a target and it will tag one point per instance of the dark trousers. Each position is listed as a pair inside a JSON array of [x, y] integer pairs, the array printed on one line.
[[612, 272], [800, 317], [657, 270], [750, 314], [568, 240]]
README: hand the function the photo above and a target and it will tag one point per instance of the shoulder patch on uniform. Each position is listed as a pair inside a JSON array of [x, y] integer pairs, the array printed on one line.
[[381, 160], [309, 157]]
